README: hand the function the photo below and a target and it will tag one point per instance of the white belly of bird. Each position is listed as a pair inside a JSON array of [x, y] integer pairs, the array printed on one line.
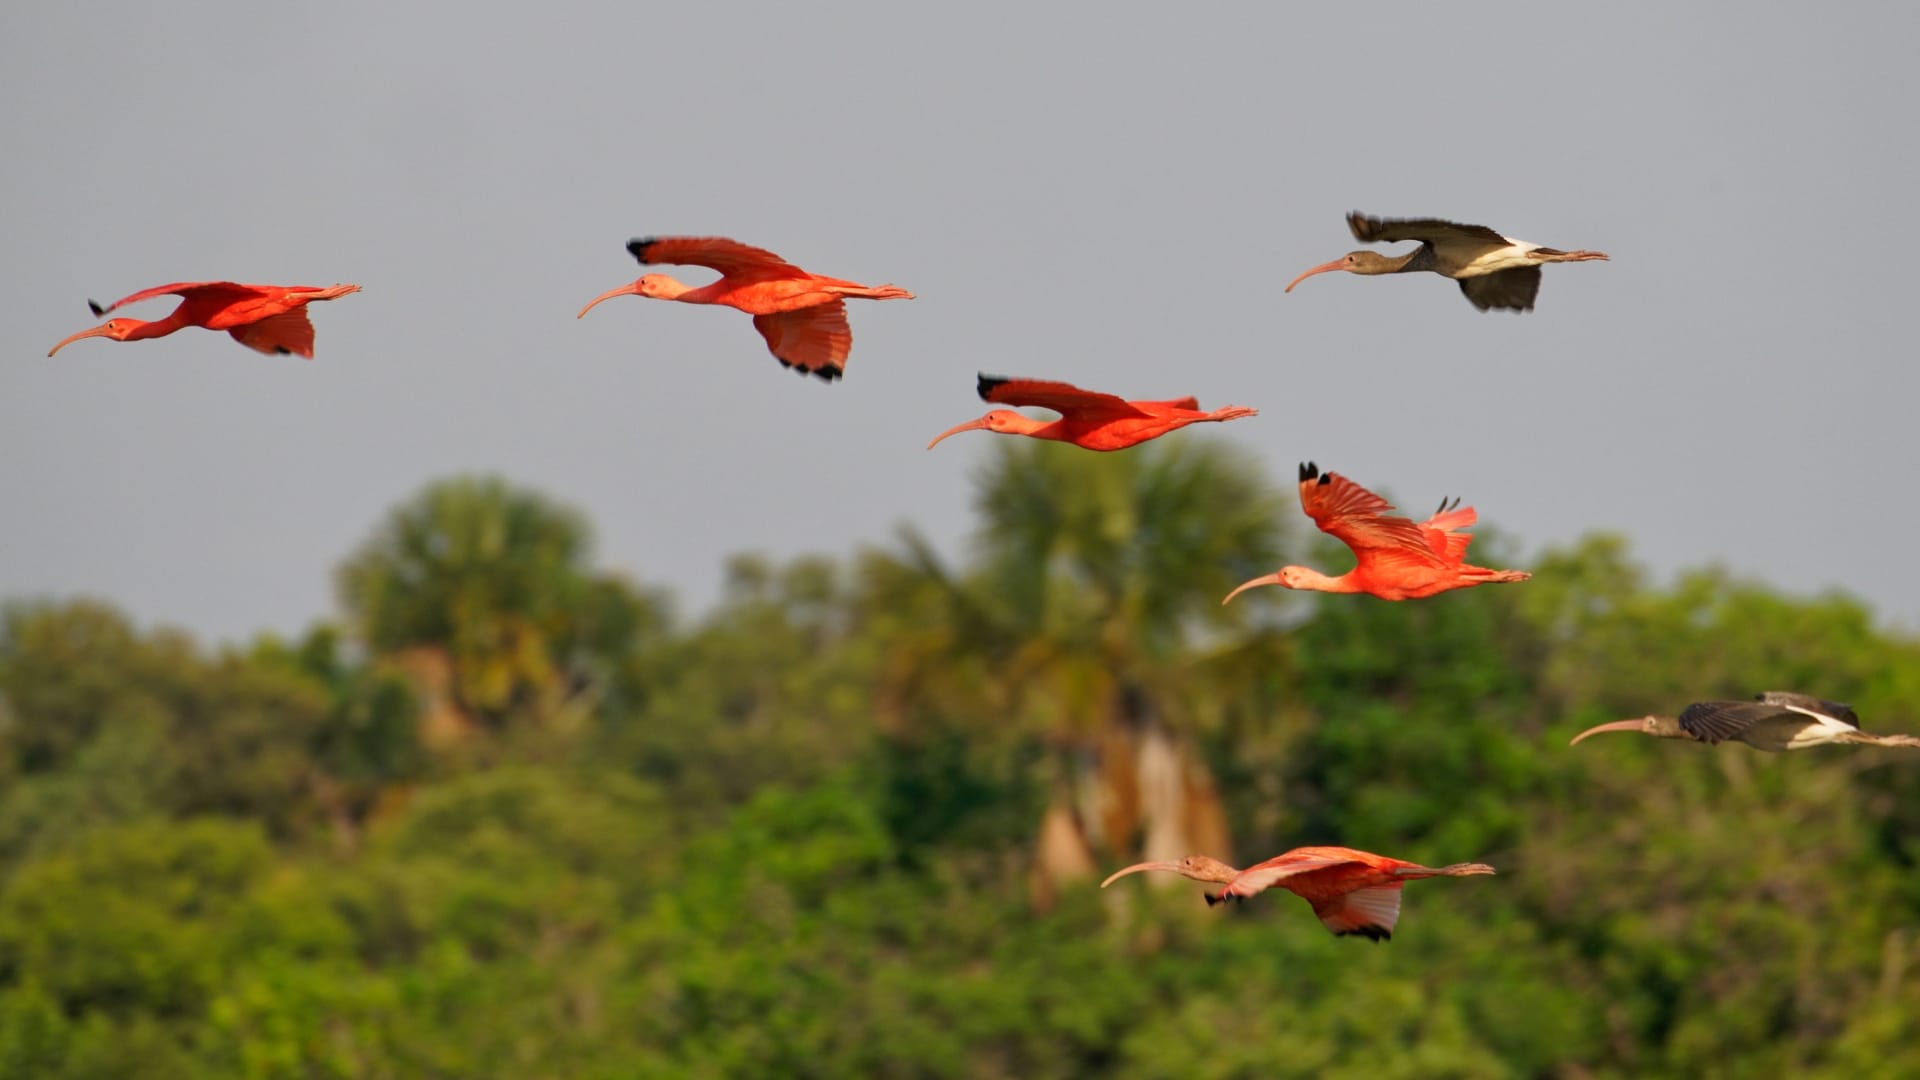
[[1479, 259], [1824, 729], [1795, 732]]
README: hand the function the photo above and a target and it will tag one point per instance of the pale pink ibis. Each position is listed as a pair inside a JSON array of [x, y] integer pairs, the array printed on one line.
[[1772, 721], [1353, 892], [1494, 271]]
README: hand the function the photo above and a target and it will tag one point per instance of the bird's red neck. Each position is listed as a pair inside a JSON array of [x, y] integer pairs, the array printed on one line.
[[1057, 430], [1316, 581], [662, 287], [140, 331]]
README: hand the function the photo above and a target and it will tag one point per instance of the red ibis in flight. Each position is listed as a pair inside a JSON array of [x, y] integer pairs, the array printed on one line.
[[268, 318], [1494, 271], [1395, 558], [802, 315], [1773, 721], [1353, 892], [1088, 419]]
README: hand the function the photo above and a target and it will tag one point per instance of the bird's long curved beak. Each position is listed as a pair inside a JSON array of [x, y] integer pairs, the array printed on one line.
[[1337, 264], [98, 331], [632, 288], [1264, 579], [1617, 725], [1170, 867], [971, 425]]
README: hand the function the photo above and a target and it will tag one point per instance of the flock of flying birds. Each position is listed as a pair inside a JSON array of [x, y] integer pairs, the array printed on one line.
[[803, 317]]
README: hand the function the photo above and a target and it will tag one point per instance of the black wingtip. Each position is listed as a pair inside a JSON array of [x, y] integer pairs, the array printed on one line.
[[1308, 470], [95, 305], [990, 383], [825, 372], [1214, 898], [639, 245], [1375, 934]]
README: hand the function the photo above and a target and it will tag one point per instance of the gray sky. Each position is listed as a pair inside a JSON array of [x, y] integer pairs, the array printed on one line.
[[1114, 200]]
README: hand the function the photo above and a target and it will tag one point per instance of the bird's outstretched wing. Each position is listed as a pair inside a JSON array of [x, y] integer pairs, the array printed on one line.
[[1714, 722], [811, 340], [1063, 398], [1188, 403], [1807, 703], [279, 335], [1511, 289], [1373, 230], [1358, 518], [1368, 913], [236, 290], [730, 257], [1446, 530], [1262, 876]]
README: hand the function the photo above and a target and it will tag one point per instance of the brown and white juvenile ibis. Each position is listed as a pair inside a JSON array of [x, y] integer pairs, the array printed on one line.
[[1395, 558], [1088, 418], [1353, 892], [1773, 721], [1494, 271]]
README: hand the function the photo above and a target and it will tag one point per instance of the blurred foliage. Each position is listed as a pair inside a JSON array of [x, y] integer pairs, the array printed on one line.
[[508, 819]]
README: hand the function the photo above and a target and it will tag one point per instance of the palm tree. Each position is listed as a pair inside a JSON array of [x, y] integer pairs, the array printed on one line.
[[482, 592], [1093, 601]]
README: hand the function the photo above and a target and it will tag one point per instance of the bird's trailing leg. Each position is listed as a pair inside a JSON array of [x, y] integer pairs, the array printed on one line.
[[878, 292], [1555, 255], [1465, 869], [1881, 740], [1481, 575]]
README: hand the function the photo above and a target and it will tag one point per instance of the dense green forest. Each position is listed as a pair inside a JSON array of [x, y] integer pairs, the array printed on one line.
[[509, 815]]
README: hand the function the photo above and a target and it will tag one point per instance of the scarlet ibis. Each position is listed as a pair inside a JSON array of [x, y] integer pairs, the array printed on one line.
[[1395, 559], [1353, 892], [801, 315], [1773, 721], [1088, 419], [269, 318], [1494, 271]]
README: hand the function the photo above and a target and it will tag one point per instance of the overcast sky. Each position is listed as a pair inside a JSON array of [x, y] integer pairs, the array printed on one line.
[[1113, 199]]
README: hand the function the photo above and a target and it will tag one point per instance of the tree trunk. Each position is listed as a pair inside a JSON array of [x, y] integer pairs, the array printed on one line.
[[1139, 784]]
